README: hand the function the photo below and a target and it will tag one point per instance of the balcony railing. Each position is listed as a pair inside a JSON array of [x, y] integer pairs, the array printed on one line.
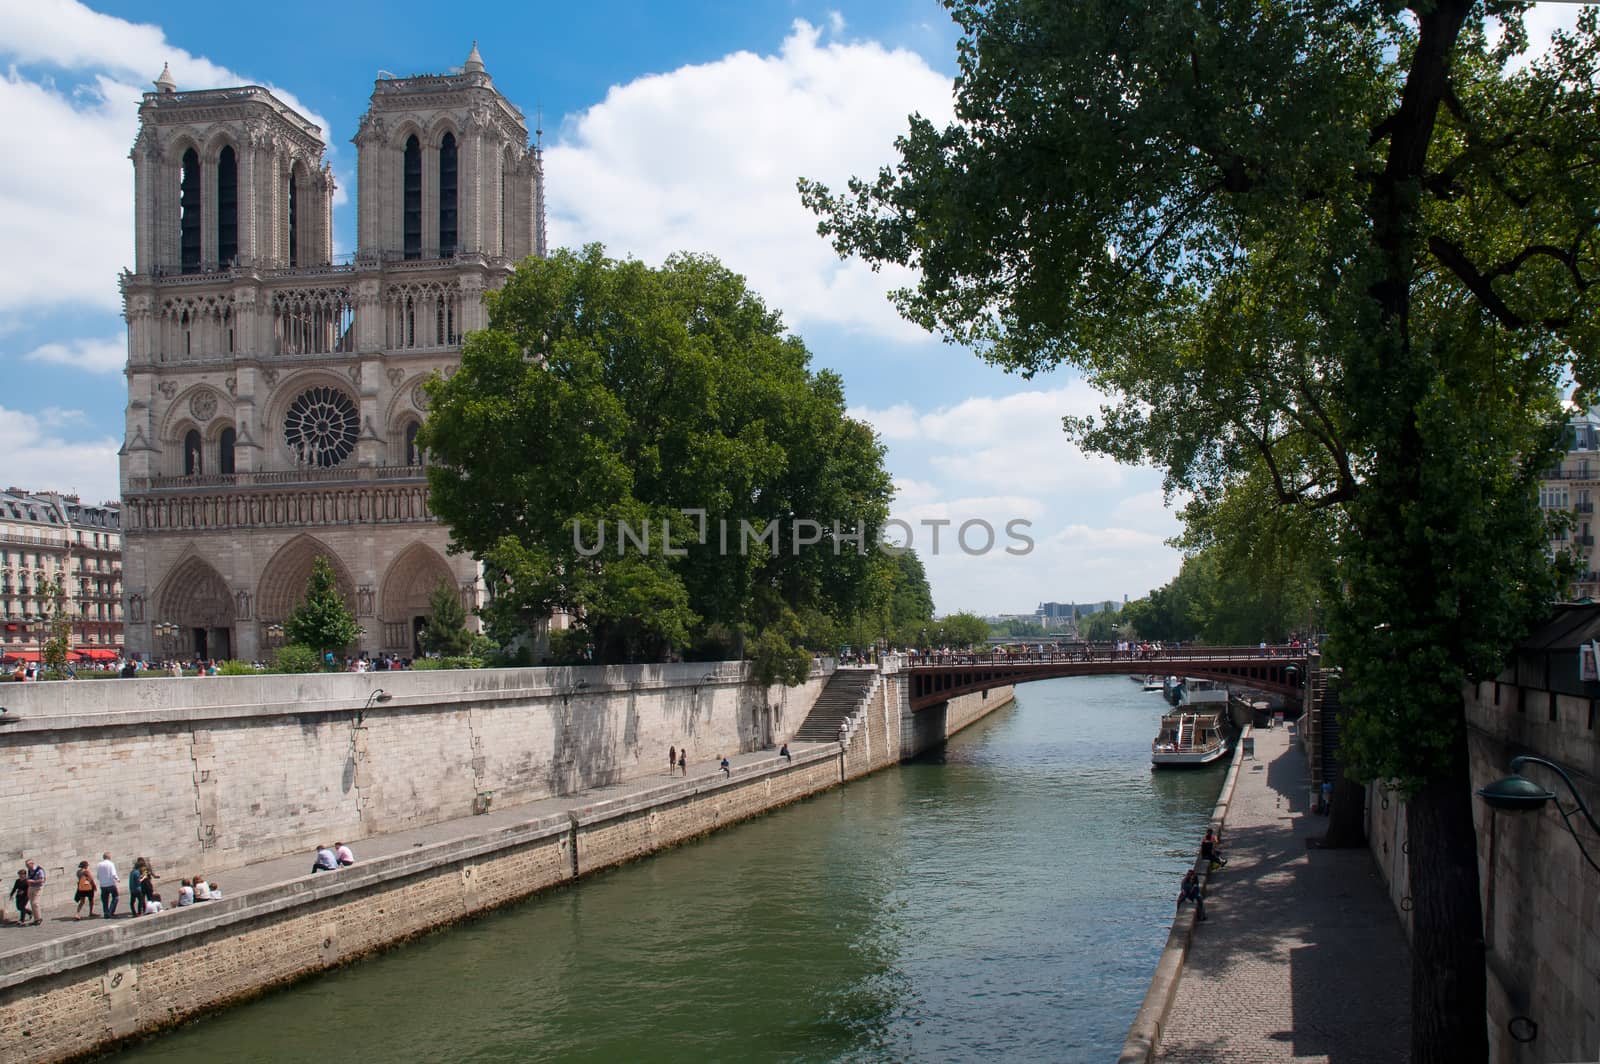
[[1570, 474], [278, 477], [1583, 508]]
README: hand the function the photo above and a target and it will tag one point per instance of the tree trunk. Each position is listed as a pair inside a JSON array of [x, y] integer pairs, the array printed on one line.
[[1448, 1003]]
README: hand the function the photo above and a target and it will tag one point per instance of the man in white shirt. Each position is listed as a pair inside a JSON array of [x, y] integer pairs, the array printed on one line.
[[105, 873]]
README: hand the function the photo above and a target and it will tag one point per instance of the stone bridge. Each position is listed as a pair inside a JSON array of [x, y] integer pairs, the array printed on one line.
[[937, 678]]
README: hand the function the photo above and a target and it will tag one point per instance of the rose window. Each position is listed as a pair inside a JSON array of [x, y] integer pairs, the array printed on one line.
[[320, 427]]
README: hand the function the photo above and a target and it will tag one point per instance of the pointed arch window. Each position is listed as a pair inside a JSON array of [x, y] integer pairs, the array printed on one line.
[[413, 453], [193, 462], [225, 448], [227, 207], [294, 220], [447, 196], [413, 199], [189, 213]]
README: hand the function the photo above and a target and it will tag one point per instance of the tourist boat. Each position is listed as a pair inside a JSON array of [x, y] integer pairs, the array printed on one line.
[[1198, 732], [1153, 683]]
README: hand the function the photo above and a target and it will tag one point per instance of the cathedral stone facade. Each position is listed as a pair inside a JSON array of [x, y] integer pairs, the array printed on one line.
[[274, 393]]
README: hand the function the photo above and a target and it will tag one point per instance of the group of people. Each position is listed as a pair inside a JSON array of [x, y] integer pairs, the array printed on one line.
[[331, 857], [103, 883], [1190, 890]]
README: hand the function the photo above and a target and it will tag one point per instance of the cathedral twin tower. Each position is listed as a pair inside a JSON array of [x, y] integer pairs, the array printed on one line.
[[274, 394]]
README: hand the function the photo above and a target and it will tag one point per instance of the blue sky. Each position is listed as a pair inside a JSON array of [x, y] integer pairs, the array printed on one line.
[[666, 127]]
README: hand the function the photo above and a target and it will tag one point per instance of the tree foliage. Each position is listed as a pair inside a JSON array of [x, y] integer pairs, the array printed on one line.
[[446, 631], [322, 621], [608, 393], [56, 616], [1337, 246]]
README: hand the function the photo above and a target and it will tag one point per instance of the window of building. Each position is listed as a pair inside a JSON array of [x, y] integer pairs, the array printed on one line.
[[413, 199], [294, 221], [447, 195], [189, 213], [225, 451], [227, 207], [192, 462]]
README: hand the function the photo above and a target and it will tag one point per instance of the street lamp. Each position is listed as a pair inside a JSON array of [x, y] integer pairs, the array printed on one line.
[[274, 635], [167, 632], [1516, 793]]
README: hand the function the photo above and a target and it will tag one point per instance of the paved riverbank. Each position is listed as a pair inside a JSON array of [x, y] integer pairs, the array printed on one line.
[[16, 943], [1302, 957]]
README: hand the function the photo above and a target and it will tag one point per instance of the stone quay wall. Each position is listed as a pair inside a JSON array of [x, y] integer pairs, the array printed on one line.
[[66, 998], [218, 772], [1541, 901]]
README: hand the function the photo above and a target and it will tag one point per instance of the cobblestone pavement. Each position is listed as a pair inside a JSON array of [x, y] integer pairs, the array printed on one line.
[[58, 907], [1302, 957]]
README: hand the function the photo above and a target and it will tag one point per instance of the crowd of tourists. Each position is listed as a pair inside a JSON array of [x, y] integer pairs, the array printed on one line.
[[103, 883]]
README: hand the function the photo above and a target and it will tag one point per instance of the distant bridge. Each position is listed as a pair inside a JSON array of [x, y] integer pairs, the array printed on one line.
[[937, 678]]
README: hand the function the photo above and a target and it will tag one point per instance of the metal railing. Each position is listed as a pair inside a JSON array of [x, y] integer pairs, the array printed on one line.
[[1071, 653]]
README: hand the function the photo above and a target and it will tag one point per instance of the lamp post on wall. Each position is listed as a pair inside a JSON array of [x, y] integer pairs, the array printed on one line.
[[1517, 793]]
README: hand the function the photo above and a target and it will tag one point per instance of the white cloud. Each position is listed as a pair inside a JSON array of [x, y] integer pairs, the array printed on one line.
[[95, 356], [50, 463], [66, 204], [705, 158]]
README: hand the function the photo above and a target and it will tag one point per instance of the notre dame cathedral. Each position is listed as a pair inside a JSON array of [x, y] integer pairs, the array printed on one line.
[[274, 391]]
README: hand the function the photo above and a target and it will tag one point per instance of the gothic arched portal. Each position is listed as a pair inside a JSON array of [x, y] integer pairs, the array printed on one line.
[[196, 601], [283, 581], [408, 587]]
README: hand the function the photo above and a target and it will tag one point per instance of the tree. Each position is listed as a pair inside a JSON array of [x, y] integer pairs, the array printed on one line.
[[446, 631], [56, 616], [1333, 245], [964, 629], [322, 621], [604, 400]]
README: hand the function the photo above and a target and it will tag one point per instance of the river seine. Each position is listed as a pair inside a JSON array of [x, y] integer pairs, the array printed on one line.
[[1006, 898]]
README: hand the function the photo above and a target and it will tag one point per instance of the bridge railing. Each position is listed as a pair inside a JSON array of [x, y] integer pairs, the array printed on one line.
[[1133, 655]]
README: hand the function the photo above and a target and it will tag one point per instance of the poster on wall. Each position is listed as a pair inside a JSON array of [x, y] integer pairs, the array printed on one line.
[[1588, 668]]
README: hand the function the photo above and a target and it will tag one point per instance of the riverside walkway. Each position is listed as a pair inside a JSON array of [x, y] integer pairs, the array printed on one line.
[[57, 905], [1302, 957]]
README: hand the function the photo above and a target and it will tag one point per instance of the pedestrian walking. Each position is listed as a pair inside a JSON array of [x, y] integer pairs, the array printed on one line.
[[105, 873], [35, 887], [19, 894], [683, 761], [136, 897], [85, 892], [672, 759]]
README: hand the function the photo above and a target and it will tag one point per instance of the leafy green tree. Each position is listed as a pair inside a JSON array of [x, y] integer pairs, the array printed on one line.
[[446, 631], [606, 394], [297, 657], [963, 629], [56, 612], [322, 621], [1016, 628], [1334, 244], [1102, 625]]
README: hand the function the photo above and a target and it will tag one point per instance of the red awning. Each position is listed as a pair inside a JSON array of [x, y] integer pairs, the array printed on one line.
[[21, 655], [96, 653]]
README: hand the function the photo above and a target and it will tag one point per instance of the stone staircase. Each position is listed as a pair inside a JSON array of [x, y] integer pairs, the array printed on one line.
[[840, 700]]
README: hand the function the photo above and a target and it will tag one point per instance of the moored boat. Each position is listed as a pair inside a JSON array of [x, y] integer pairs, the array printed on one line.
[[1198, 732]]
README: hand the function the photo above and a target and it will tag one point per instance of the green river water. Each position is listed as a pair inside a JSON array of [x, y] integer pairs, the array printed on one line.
[[1005, 898]]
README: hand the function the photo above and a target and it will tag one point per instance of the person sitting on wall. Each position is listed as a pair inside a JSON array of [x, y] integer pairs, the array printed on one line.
[[325, 860], [726, 768], [1209, 850], [1190, 891], [216, 892], [783, 752], [342, 854]]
